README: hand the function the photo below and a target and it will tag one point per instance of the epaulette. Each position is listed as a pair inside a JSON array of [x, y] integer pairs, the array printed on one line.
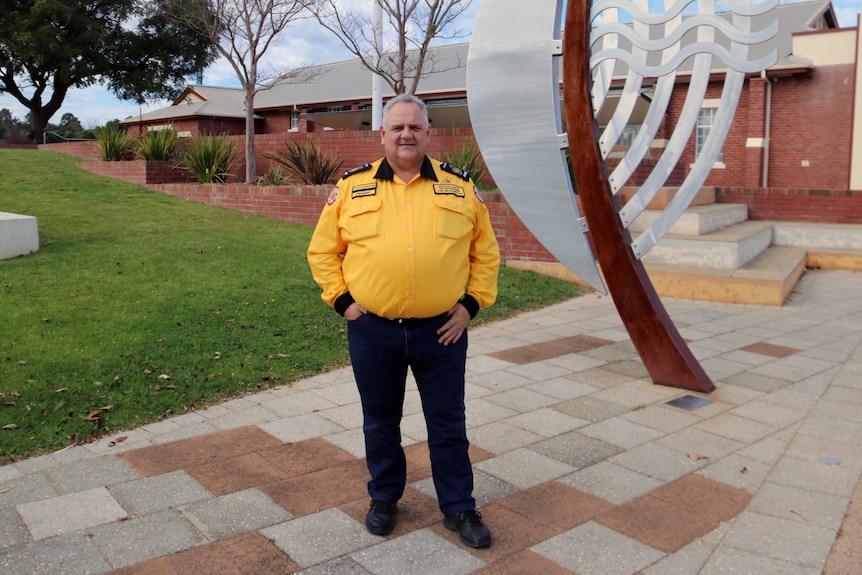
[[361, 168], [463, 174]]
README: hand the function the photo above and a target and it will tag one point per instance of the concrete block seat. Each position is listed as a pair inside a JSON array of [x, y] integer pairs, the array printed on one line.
[[19, 235]]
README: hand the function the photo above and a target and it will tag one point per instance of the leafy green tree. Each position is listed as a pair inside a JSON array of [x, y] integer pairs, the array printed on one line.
[[50, 46], [11, 129]]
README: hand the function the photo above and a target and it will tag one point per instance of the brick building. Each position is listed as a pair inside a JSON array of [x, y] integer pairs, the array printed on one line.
[[794, 127]]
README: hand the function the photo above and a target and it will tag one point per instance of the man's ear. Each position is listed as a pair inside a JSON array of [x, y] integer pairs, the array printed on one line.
[[382, 134]]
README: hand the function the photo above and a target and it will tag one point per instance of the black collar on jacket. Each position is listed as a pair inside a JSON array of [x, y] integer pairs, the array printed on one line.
[[385, 171]]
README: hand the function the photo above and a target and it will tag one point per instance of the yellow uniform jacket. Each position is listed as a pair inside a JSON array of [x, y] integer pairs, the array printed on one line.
[[405, 250]]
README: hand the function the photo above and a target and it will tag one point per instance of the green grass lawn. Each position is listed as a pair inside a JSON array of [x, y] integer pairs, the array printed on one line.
[[140, 306]]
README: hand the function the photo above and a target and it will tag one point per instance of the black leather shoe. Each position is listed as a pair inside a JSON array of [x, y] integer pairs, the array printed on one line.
[[380, 519], [468, 524]]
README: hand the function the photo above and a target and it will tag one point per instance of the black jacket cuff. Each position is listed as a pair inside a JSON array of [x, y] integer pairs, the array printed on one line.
[[471, 305], [343, 302]]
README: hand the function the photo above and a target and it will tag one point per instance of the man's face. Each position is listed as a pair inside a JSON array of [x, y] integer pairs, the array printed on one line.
[[405, 135]]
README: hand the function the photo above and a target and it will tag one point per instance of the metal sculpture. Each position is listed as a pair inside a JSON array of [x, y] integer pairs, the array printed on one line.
[[513, 72]]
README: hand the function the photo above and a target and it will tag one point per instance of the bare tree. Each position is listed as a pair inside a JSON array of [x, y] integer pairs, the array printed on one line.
[[242, 31], [403, 58]]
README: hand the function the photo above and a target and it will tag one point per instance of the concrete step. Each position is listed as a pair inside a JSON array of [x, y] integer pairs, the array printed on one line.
[[767, 279], [696, 220], [728, 248], [829, 246]]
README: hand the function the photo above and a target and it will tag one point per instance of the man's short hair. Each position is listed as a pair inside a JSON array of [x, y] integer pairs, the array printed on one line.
[[410, 99]]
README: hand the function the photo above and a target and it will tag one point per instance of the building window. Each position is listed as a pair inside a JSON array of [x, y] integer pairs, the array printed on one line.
[[705, 120], [294, 120], [335, 109], [627, 138]]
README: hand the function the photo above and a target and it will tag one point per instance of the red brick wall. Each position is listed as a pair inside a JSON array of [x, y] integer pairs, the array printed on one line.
[[796, 205], [811, 121], [139, 171], [84, 150], [302, 205], [804, 126]]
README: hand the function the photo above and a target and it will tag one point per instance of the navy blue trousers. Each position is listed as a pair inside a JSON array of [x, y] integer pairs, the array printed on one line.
[[381, 350]]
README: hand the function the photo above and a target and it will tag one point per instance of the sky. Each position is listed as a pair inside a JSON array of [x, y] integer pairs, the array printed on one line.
[[304, 43]]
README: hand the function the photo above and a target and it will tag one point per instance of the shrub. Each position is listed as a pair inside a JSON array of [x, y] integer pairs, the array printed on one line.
[[275, 176], [308, 162], [210, 159], [157, 145], [469, 159], [114, 143]]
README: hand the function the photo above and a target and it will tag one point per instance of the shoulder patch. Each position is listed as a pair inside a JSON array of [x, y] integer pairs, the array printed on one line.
[[447, 167], [332, 197], [361, 168]]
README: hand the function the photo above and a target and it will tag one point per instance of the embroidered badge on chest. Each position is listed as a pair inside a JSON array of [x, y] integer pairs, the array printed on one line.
[[363, 190], [449, 189]]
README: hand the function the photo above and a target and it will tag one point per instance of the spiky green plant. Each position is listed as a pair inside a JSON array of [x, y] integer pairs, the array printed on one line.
[[469, 159], [210, 158], [308, 162], [157, 145], [115, 144], [274, 176]]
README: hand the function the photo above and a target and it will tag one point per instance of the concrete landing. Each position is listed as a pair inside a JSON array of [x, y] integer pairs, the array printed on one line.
[[19, 235]]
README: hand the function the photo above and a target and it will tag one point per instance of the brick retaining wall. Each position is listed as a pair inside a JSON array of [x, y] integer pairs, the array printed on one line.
[[302, 205], [794, 205]]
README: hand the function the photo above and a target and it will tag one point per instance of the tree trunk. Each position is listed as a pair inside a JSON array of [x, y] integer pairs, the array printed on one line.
[[250, 166]]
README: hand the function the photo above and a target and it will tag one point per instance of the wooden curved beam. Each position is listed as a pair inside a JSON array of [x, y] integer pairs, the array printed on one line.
[[664, 353]]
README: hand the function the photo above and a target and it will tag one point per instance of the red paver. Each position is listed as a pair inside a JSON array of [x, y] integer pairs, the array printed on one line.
[[522, 563], [511, 532], [415, 511], [556, 505], [159, 566], [771, 350], [305, 494], [548, 349], [185, 453], [657, 523], [703, 496], [247, 554]]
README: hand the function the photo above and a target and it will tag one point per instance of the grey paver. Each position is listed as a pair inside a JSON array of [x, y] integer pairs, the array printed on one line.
[[159, 492], [797, 504], [12, 529], [320, 537], [90, 473], [593, 548], [729, 561], [64, 555], [575, 449], [524, 468], [143, 538], [657, 461], [235, 513], [611, 482], [739, 471], [501, 436], [70, 512], [421, 552], [791, 541]]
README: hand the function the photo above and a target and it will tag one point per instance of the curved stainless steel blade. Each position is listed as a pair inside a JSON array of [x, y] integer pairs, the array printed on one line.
[[513, 73]]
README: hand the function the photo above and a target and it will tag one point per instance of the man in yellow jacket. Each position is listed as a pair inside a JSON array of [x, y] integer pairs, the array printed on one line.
[[404, 250]]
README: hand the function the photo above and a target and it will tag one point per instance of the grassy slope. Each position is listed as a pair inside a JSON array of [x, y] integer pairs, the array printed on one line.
[[150, 306]]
